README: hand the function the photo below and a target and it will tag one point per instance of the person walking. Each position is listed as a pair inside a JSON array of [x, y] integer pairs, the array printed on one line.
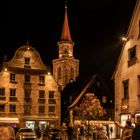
[[136, 130], [126, 130], [64, 135]]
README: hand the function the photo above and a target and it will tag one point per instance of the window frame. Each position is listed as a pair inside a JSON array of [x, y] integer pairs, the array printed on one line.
[[12, 108], [41, 109], [126, 89]]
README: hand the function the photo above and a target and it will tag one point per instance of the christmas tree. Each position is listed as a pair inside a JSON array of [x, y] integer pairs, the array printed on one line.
[[89, 108]]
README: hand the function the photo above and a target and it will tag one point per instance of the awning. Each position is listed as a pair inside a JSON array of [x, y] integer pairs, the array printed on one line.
[[9, 120]]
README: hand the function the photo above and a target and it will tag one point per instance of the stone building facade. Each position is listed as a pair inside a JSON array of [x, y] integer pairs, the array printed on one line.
[[29, 95], [66, 67], [127, 73]]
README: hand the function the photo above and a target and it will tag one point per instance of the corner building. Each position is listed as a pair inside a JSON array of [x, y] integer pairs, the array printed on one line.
[[29, 95], [127, 73]]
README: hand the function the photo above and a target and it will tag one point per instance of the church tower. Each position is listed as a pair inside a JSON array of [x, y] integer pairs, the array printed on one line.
[[65, 68]]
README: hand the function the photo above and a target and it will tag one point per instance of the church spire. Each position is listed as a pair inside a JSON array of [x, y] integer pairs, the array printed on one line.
[[65, 36]]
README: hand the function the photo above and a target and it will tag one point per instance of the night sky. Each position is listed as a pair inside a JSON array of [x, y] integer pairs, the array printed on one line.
[[96, 28]]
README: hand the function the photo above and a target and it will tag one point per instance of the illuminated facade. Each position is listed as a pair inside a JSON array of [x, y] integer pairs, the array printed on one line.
[[66, 67], [29, 95], [127, 73]]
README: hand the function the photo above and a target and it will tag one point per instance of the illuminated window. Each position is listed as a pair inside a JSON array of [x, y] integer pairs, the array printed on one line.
[[41, 94], [41, 109], [12, 77], [12, 92], [2, 108], [42, 79], [13, 108], [51, 94], [27, 61], [51, 109], [27, 78], [126, 89]]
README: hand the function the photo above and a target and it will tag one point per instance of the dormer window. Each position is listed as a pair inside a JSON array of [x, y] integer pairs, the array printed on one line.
[[27, 61], [41, 79], [12, 77]]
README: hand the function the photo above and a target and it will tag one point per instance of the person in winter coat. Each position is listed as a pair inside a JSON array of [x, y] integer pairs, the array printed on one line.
[[127, 130], [136, 130]]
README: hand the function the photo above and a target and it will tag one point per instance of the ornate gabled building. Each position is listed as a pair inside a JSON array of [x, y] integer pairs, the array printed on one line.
[[66, 67], [29, 95], [127, 73]]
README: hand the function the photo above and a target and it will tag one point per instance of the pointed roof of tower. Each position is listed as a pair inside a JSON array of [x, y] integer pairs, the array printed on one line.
[[66, 31]]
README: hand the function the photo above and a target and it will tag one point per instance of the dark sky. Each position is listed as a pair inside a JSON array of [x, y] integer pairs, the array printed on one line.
[[96, 27]]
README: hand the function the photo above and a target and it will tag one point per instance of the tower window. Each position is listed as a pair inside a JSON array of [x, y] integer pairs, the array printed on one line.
[[59, 73], [126, 89], [71, 72]]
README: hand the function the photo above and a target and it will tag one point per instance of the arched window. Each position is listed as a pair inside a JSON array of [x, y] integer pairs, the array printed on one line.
[[59, 73], [71, 73]]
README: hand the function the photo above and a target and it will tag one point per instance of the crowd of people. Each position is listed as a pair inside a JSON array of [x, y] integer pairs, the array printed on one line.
[[129, 132]]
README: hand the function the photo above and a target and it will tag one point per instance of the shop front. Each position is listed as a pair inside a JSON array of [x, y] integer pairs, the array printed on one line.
[[14, 122]]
